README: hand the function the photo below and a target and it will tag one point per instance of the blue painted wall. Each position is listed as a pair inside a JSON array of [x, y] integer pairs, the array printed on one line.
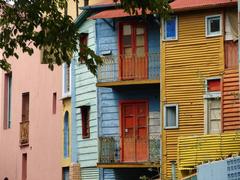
[[108, 102]]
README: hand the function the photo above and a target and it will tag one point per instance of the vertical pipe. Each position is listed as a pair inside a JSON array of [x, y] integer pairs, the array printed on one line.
[[173, 164]]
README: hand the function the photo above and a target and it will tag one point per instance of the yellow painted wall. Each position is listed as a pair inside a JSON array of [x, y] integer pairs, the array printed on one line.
[[185, 64], [66, 107]]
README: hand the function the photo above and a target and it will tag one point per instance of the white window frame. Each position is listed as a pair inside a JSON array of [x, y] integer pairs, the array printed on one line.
[[177, 116], [164, 30], [66, 94], [211, 94], [207, 27], [207, 96]]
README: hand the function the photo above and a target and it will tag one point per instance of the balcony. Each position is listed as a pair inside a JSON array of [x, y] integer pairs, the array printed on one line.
[[129, 70], [24, 133], [195, 150], [138, 152]]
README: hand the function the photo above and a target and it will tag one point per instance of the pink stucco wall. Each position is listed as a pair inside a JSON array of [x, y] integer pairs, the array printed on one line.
[[44, 150]]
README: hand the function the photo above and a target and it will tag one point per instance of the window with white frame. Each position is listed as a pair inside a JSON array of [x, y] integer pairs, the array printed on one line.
[[213, 106], [213, 25], [66, 88], [171, 28], [170, 116]]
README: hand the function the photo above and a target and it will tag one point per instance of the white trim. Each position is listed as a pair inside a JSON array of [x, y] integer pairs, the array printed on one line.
[[66, 94], [177, 116], [163, 25], [206, 26]]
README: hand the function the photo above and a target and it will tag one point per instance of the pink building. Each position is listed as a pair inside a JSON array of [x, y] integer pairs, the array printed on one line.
[[30, 115]]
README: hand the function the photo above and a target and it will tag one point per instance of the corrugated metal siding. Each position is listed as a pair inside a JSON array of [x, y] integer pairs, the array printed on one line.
[[90, 173], [185, 65], [193, 151], [85, 84], [231, 100]]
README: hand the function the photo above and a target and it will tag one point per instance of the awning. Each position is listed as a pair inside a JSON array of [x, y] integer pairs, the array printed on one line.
[[108, 14]]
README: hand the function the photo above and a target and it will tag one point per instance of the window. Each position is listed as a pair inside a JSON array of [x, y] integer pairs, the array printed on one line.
[[25, 107], [66, 80], [132, 39], [66, 135], [171, 28], [171, 116], [65, 173], [214, 115], [213, 106], [54, 105], [213, 25], [85, 112], [24, 166], [83, 44], [7, 101]]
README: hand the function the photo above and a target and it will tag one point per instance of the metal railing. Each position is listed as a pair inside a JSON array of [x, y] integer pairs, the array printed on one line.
[[110, 149], [24, 133], [129, 67]]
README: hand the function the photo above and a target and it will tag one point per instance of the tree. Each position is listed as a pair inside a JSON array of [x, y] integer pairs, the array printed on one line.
[[41, 24]]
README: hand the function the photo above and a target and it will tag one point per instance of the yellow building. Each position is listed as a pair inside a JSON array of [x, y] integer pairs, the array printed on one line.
[[192, 65]]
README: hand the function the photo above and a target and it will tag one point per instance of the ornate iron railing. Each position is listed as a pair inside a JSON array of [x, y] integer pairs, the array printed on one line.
[[24, 133], [110, 149], [129, 67]]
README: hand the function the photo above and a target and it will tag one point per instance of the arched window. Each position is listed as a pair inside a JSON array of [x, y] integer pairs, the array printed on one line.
[[66, 134]]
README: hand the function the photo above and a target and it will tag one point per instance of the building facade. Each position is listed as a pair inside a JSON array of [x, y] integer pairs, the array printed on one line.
[[30, 129], [198, 77], [128, 95]]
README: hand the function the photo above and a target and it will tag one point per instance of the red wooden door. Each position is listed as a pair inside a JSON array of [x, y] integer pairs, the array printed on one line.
[[134, 132], [133, 52]]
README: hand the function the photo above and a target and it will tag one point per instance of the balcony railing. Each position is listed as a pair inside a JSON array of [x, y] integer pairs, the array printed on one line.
[[110, 150], [129, 67], [24, 133], [195, 150]]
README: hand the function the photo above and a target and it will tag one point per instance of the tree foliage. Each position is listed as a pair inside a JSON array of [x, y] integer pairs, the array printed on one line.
[[30, 24]]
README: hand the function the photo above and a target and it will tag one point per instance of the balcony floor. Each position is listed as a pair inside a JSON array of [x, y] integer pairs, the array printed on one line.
[[127, 83], [128, 165]]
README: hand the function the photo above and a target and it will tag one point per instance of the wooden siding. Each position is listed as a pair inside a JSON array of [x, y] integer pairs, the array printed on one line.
[[85, 89], [90, 173], [195, 150], [186, 63], [231, 100]]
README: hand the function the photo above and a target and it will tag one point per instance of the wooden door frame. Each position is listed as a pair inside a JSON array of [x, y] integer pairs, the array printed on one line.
[[121, 102], [133, 41]]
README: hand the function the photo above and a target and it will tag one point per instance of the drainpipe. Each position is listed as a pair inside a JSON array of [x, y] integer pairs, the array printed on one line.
[[173, 164]]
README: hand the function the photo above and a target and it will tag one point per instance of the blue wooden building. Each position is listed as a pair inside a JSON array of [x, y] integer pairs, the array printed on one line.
[[128, 95]]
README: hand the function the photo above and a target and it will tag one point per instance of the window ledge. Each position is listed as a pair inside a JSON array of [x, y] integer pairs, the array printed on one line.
[[212, 95], [65, 96]]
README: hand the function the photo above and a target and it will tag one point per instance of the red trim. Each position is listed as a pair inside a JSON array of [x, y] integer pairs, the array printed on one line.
[[133, 25], [121, 102]]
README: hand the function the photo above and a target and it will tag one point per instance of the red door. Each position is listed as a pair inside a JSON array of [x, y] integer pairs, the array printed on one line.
[[133, 51], [134, 131]]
